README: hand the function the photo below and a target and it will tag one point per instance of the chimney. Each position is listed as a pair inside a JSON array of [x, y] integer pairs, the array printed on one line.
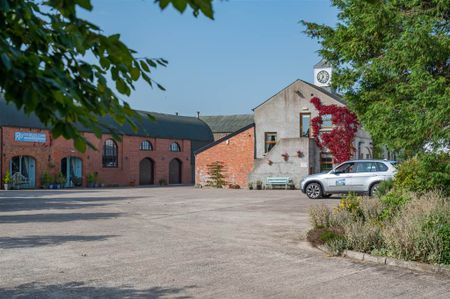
[[198, 114]]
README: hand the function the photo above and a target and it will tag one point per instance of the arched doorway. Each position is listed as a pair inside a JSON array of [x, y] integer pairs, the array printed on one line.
[[23, 172], [72, 169], [175, 167], [146, 171]]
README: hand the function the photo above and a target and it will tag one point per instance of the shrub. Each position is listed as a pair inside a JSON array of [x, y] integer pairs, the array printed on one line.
[[393, 202], [350, 203], [234, 186], [337, 245], [421, 231], [341, 218], [162, 182], [216, 175], [323, 235], [60, 178], [7, 179], [363, 236], [425, 172], [46, 179], [371, 208], [384, 187], [320, 216]]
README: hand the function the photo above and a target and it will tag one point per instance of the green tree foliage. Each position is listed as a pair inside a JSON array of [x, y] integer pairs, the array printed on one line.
[[216, 175], [424, 173], [45, 49], [392, 63]]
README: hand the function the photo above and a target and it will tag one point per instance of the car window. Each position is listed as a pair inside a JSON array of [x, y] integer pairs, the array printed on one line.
[[366, 167], [381, 167], [346, 168]]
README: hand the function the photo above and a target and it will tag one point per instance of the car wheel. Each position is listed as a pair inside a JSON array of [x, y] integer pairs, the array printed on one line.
[[373, 189], [314, 190]]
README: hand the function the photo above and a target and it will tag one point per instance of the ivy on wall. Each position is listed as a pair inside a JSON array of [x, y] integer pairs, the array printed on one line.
[[339, 140]]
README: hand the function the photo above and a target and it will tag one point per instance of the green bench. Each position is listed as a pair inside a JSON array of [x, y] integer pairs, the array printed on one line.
[[278, 181]]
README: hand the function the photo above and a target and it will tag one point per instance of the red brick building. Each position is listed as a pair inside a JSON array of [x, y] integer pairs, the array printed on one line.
[[235, 150], [160, 152]]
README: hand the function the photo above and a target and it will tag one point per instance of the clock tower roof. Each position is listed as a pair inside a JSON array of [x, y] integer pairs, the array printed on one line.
[[322, 64]]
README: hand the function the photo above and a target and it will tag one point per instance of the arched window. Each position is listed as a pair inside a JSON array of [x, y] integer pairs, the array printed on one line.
[[146, 146], [175, 147], [110, 156]]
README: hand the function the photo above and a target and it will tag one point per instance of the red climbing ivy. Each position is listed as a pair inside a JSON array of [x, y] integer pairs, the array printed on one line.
[[340, 139]]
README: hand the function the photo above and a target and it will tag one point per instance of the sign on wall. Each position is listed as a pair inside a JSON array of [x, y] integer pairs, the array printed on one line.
[[30, 137]]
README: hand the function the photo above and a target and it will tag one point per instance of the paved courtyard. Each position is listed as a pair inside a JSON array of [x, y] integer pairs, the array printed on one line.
[[180, 242]]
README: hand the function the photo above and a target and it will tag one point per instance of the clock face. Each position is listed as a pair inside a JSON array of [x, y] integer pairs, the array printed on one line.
[[323, 76]]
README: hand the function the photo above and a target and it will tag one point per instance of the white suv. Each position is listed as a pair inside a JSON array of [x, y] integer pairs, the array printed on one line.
[[359, 176]]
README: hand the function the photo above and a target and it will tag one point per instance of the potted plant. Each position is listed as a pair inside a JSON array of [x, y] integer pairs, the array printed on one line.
[[60, 180], [7, 179], [91, 180], [285, 156], [259, 185], [250, 186], [162, 182], [46, 180], [77, 181]]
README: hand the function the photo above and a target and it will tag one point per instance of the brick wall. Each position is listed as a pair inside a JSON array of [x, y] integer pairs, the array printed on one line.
[[237, 153], [48, 156]]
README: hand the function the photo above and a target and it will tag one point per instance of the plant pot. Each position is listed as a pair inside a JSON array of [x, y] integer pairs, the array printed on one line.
[[6, 186]]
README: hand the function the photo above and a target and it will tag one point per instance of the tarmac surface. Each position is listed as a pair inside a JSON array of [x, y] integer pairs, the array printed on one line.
[[181, 242]]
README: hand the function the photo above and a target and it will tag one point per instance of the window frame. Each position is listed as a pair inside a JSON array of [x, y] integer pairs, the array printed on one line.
[[110, 154], [321, 162], [150, 146], [353, 166], [301, 124], [270, 142], [323, 121], [178, 147]]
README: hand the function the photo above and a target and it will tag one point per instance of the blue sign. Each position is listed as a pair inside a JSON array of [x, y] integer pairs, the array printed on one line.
[[30, 137], [340, 182]]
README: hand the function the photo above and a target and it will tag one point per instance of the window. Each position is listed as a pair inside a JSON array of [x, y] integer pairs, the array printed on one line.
[[270, 141], [305, 124], [175, 147], [366, 167], [326, 121], [346, 168], [146, 146], [381, 167], [326, 162], [360, 153], [110, 158]]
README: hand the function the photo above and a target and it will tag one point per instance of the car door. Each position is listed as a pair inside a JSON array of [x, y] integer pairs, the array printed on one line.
[[339, 179], [364, 171]]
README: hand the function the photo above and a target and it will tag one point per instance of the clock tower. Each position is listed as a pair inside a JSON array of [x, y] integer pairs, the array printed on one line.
[[322, 74]]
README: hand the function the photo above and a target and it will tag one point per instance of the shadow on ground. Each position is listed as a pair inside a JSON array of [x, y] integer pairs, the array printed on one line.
[[38, 193], [29, 203], [36, 241], [80, 290], [56, 217]]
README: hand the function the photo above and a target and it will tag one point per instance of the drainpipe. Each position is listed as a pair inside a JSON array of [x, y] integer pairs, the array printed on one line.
[[1, 153]]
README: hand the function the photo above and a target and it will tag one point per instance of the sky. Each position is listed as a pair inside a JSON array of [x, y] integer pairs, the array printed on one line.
[[252, 50]]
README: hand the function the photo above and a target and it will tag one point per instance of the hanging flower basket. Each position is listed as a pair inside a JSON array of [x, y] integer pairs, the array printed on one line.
[[269, 162], [285, 156], [300, 154]]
